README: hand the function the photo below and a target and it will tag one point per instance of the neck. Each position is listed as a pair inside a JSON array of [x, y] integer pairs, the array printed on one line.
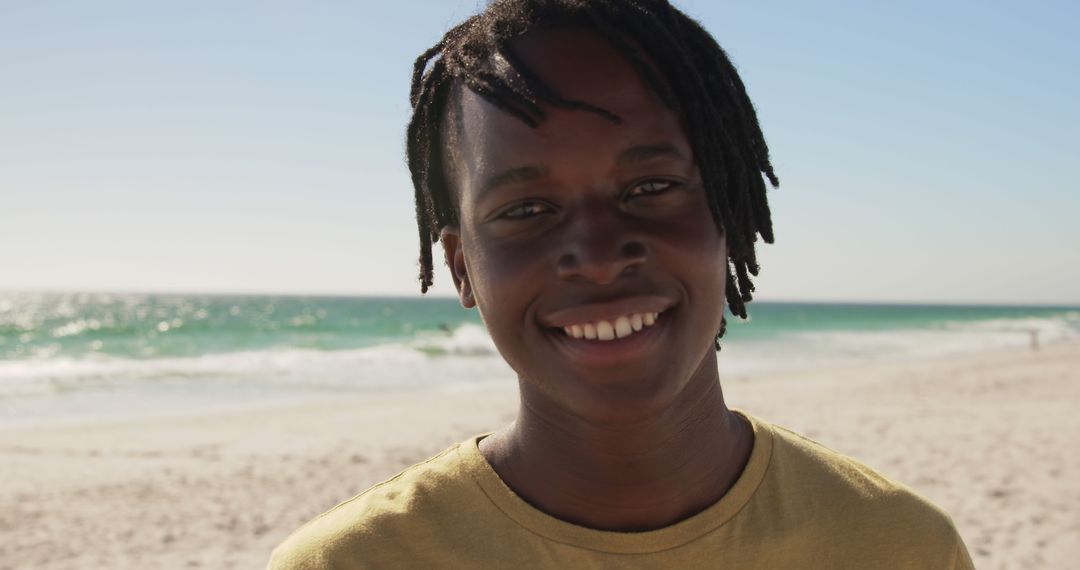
[[629, 476]]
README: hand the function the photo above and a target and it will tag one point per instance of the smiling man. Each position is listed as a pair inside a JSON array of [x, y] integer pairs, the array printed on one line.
[[596, 175]]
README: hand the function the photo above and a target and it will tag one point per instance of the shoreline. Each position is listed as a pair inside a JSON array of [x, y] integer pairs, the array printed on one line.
[[983, 435], [116, 403]]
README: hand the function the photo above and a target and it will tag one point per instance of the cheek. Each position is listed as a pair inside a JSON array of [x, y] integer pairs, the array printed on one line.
[[695, 250], [506, 281], [693, 238], [506, 277]]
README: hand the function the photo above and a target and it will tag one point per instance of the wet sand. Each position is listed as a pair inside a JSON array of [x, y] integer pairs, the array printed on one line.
[[991, 437]]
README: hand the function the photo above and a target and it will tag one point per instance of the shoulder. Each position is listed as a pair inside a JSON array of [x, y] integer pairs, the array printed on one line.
[[361, 531], [801, 463], [834, 497]]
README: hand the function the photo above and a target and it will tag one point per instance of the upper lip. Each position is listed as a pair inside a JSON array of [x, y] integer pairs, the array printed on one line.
[[608, 310]]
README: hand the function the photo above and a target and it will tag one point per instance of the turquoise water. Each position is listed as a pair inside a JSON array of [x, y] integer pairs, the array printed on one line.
[[96, 351], [42, 326], [37, 326]]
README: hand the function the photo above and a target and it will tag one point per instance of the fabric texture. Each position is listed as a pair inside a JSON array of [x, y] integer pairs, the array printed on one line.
[[797, 504]]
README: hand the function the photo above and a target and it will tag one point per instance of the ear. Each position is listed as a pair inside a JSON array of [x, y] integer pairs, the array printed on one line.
[[450, 237]]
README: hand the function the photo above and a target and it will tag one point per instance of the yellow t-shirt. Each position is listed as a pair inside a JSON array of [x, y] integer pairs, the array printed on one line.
[[796, 505]]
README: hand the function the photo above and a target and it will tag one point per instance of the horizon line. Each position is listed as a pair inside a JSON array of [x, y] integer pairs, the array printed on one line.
[[441, 296]]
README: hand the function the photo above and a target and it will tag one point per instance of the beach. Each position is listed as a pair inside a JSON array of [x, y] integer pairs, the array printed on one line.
[[990, 437]]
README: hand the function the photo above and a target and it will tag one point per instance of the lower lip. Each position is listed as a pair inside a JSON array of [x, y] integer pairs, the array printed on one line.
[[608, 352]]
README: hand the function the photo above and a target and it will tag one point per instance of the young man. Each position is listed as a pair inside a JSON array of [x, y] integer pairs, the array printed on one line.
[[594, 172]]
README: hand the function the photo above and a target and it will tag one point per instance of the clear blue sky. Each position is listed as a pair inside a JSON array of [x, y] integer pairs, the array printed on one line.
[[925, 149]]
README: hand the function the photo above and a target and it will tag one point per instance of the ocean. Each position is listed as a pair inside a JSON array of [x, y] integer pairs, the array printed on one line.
[[97, 355]]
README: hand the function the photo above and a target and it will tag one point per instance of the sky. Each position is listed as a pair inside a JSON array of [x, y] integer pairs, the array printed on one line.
[[258, 146]]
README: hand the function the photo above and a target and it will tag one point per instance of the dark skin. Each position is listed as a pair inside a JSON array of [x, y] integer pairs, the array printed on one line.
[[583, 220]]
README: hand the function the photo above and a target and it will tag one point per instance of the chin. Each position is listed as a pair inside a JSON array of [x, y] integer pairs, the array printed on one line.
[[617, 394]]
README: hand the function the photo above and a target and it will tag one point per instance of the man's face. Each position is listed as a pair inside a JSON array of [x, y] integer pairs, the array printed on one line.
[[583, 227]]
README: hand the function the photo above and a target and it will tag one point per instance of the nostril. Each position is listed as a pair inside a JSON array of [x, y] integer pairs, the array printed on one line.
[[634, 250], [567, 263], [601, 264]]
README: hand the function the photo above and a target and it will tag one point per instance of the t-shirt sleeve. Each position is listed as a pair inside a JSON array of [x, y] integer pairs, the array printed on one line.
[[304, 557], [962, 559]]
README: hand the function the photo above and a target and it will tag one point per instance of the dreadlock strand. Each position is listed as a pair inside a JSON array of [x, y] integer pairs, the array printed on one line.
[[720, 333], [508, 90], [734, 297], [435, 175], [419, 67], [746, 288], [489, 94]]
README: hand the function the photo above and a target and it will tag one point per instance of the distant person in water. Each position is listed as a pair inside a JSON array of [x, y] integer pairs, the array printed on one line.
[[596, 175]]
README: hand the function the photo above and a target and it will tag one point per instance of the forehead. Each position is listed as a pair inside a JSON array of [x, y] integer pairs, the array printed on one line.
[[578, 65]]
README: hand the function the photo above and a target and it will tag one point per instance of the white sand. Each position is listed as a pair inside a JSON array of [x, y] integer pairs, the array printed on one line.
[[992, 438]]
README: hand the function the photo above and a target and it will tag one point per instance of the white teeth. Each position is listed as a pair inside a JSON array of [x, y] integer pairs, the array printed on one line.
[[622, 327], [605, 331]]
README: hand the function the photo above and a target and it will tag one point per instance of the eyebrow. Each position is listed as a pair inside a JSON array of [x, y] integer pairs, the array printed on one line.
[[512, 176], [642, 153], [627, 157]]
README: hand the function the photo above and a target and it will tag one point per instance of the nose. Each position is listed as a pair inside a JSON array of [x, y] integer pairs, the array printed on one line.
[[600, 247]]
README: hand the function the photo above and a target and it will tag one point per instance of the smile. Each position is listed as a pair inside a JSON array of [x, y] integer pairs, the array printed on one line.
[[604, 330], [610, 332]]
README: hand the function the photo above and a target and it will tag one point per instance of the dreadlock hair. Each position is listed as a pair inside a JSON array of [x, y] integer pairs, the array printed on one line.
[[678, 60]]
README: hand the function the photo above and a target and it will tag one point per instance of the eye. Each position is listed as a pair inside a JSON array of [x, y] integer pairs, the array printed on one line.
[[649, 188], [523, 210]]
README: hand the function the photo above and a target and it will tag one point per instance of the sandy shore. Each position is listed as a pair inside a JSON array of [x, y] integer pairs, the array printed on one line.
[[992, 438]]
